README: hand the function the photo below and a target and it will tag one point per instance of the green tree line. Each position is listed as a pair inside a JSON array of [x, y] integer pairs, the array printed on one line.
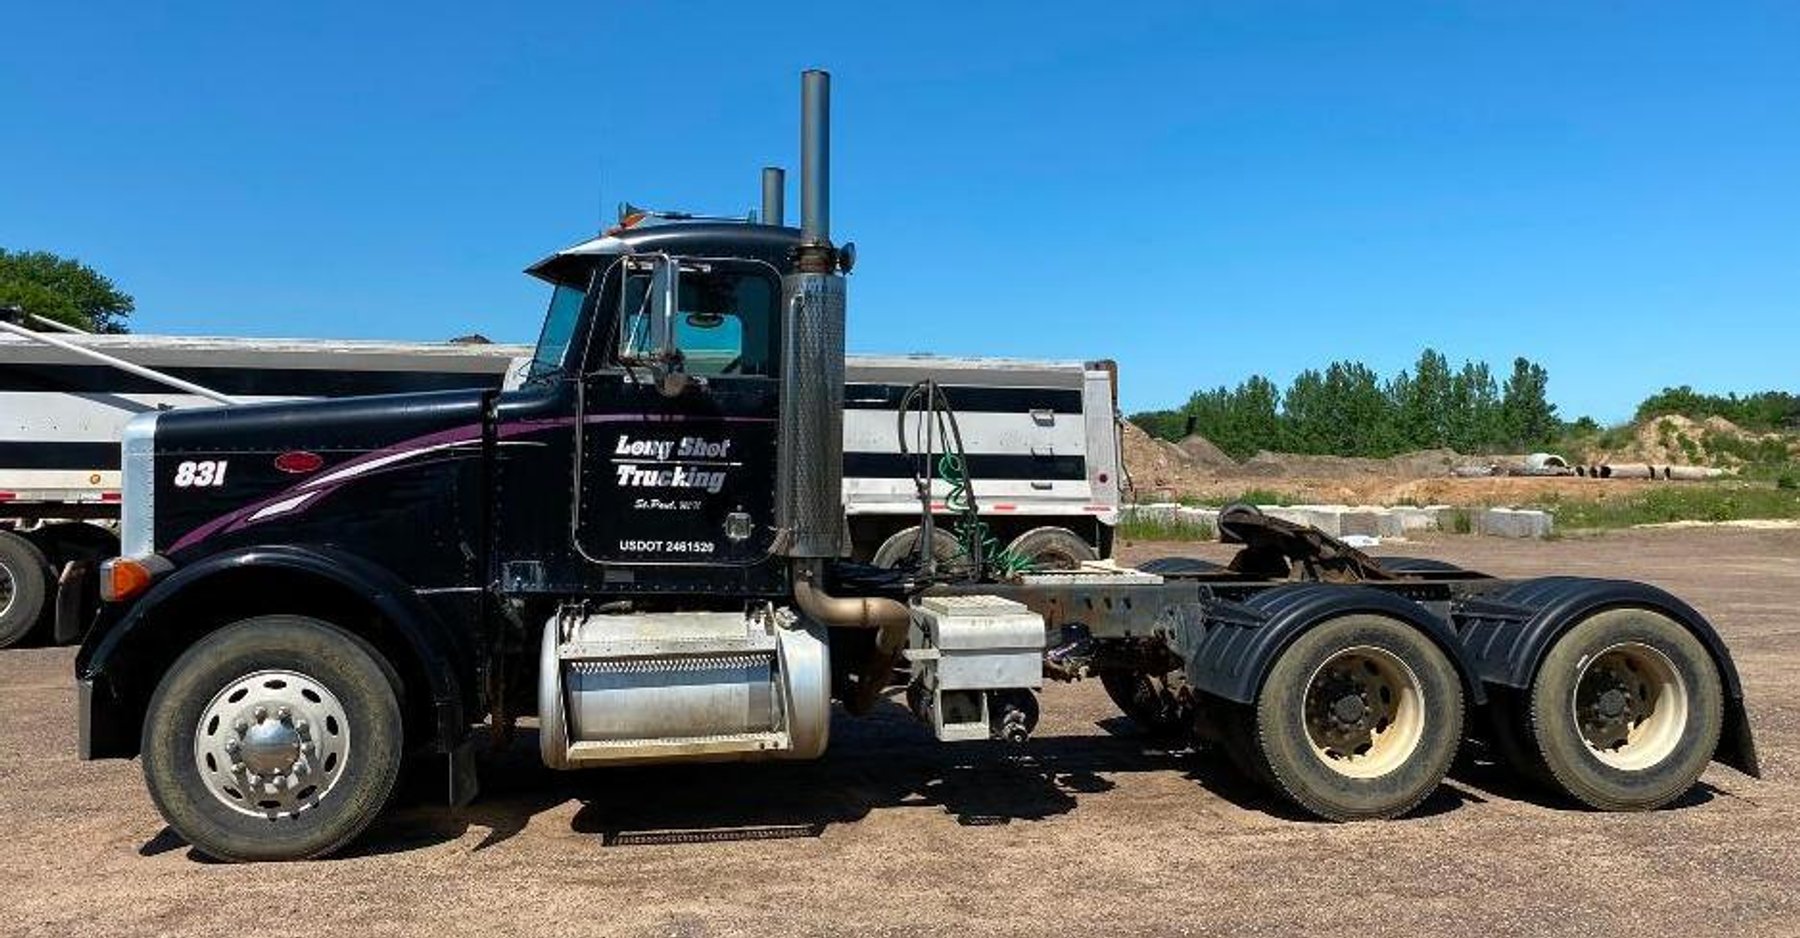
[[1349, 410], [63, 289], [1762, 412]]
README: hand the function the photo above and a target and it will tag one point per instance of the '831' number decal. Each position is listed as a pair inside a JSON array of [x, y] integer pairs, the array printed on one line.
[[202, 473]]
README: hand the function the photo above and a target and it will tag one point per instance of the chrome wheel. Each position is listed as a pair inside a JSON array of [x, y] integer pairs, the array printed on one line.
[[272, 744], [1630, 705], [1365, 712]]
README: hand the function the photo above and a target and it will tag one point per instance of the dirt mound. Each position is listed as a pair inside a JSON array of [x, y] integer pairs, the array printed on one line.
[[1424, 464], [1204, 453], [1677, 440], [1160, 470]]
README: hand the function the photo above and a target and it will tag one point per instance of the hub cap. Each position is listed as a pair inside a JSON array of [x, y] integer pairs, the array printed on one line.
[[1365, 712], [272, 744], [1630, 706]]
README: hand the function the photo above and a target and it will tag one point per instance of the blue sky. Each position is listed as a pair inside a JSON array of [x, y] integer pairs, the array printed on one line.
[[1201, 191]]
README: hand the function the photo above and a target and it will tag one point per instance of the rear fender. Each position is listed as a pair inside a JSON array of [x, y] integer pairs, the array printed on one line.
[[1230, 648], [1508, 633]]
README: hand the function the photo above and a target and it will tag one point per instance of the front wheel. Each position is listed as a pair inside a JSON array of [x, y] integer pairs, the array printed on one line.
[[1359, 718], [275, 738]]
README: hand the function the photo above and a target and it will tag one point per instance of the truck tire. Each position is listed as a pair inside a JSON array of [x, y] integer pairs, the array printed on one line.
[[1052, 548], [1417, 565], [25, 578], [1180, 566], [1624, 713], [275, 738], [1359, 718], [1147, 702], [904, 545]]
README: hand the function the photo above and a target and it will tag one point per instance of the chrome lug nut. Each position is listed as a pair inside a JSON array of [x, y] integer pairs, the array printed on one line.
[[261, 714], [284, 714]]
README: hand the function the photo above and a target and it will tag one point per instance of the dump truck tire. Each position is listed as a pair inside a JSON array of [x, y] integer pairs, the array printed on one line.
[[25, 578], [275, 738], [1360, 717], [1052, 548], [904, 544], [1624, 712]]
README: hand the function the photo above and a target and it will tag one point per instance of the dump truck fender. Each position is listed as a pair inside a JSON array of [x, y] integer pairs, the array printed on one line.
[[1229, 647]]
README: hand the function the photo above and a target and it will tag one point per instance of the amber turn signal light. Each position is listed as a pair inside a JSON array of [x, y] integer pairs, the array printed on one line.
[[121, 578]]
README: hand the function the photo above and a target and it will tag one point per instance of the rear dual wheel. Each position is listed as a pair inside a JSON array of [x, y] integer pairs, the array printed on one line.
[[1623, 714], [1359, 718]]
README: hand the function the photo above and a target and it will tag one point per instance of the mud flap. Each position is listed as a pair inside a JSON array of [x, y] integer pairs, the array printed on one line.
[[72, 589], [465, 782], [1737, 748]]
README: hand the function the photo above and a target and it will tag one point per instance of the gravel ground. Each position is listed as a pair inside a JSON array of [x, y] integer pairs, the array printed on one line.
[[1090, 829]]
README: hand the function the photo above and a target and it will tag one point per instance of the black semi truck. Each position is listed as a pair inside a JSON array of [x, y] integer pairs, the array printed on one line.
[[643, 548]]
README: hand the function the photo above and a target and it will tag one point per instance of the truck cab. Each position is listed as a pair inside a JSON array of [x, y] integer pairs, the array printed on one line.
[[669, 491]]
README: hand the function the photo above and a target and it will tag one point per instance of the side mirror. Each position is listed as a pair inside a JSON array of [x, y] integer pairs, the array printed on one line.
[[647, 328]]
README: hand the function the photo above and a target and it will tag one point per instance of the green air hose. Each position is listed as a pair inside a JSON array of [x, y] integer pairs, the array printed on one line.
[[937, 422], [972, 534]]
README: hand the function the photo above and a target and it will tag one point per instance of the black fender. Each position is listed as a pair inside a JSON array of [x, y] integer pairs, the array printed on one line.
[[1230, 654], [106, 664], [1507, 634]]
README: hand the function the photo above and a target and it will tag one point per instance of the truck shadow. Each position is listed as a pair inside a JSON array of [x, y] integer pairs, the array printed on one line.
[[882, 762], [1481, 773]]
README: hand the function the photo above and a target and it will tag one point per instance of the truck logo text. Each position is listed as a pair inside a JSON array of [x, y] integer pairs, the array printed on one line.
[[636, 474]]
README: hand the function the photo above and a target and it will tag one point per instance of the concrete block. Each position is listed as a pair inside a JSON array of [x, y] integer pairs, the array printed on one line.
[[1370, 522], [1415, 519], [1509, 522], [1294, 513], [1205, 516]]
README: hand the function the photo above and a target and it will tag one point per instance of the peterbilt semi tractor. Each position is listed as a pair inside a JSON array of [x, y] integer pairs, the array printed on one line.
[[641, 550], [1042, 438]]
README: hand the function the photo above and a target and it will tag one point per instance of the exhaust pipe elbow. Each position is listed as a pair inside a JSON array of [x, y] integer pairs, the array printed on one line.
[[890, 619], [856, 612]]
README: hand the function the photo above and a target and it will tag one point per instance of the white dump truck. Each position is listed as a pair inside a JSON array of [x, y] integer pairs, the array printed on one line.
[[1042, 439]]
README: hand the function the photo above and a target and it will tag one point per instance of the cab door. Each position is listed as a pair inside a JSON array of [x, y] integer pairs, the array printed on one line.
[[676, 429]]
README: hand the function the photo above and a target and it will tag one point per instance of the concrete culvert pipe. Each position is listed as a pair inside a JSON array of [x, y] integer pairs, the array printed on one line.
[[1539, 462]]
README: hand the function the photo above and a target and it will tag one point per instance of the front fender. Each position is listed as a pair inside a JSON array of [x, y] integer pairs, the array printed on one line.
[[109, 669]]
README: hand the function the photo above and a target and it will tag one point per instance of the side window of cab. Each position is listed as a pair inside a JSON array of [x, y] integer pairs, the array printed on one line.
[[725, 324]]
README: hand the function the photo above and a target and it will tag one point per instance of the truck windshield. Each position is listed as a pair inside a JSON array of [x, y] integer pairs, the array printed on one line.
[[559, 328]]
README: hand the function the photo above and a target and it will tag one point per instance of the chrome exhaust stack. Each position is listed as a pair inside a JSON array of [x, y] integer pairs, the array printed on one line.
[[810, 463]]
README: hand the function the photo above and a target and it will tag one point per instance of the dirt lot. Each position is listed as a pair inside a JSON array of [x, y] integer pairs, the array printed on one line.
[[1088, 830]]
